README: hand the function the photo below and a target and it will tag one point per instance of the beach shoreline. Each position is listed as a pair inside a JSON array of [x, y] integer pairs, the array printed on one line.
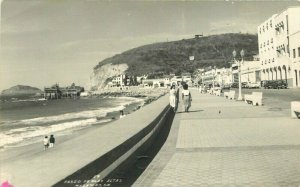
[[12, 152]]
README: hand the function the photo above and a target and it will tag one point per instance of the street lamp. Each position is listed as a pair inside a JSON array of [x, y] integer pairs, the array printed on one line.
[[239, 62]]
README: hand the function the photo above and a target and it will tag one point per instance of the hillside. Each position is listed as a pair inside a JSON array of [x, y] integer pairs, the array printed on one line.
[[172, 57], [21, 90]]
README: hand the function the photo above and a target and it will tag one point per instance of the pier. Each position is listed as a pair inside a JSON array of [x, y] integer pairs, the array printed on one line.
[[56, 92]]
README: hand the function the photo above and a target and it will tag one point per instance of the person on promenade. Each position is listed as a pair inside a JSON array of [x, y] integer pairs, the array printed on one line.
[[52, 141], [46, 142], [204, 88], [186, 97], [200, 88], [173, 98]]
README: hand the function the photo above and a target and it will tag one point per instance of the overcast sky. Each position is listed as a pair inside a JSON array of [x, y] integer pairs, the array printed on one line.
[[60, 41]]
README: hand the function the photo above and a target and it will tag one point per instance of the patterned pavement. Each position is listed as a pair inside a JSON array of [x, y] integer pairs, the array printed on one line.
[[242, 145]]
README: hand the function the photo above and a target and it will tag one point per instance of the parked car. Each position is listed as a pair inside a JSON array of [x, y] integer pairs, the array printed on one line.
[[234, 85], [245, 85], [281, 84], [254, 85], [225, 86], [278, 84]]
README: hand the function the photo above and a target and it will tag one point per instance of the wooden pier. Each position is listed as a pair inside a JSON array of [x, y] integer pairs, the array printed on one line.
[[56, 92]]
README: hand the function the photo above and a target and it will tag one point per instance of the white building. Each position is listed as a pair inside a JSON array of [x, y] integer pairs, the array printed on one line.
[[295, 56], [277, 37], [117, 81], [250, 72], [176, 80], [220, 76]]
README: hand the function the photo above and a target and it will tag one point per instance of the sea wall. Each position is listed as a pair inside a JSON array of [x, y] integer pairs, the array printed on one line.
[[98, 169], [95, 151]]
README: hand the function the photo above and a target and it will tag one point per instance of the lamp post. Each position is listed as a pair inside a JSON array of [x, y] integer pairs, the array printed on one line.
[[239, 62]]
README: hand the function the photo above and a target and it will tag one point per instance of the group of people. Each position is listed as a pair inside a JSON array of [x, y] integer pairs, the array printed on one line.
[[49, 142], [185, 95]]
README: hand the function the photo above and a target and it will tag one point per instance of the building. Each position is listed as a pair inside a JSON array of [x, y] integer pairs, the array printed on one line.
[[220, 76], [154, 83], [57, 92], [295, 57], [277, 39], [176, 80], [186, 77], [117, 81], [250, 71]]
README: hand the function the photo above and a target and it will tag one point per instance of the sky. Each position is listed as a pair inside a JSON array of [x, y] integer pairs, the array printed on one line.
[[44, 42]]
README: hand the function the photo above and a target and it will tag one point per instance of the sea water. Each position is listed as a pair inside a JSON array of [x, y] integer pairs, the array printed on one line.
[[26, 121]]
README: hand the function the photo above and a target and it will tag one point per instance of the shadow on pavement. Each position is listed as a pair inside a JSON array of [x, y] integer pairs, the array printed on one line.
[[190, 111]]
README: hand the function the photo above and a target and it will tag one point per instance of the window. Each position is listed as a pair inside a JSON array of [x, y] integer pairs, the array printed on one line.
[[264, 28], [268, 42], [271, 40], [273, 60], [298, 51], [267, 26], [294, 53], [271, 23], [264, 44]]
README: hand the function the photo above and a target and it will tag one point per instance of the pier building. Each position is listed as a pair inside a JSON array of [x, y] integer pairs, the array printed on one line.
[[56, 92]]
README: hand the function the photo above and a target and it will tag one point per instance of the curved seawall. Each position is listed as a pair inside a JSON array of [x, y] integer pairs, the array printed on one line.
[[97, 152], [128, 139], [123, 158]]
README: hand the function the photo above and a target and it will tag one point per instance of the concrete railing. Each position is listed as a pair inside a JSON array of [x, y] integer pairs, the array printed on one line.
[[105, 164], [295, 109]]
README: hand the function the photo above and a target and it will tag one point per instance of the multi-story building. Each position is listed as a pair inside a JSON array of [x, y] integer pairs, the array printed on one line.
[[217, 76], [275, 37], [295, 56], [117, 81]]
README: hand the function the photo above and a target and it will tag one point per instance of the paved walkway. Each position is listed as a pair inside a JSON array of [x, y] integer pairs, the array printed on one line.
[[222, 142]]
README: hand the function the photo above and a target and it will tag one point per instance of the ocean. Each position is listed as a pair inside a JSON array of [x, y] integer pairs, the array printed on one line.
[[23, 122]]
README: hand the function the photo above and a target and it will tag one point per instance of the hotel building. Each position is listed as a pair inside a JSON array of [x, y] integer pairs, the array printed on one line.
[[278, 40]]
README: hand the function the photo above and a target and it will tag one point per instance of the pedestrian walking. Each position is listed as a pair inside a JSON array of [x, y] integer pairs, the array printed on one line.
[[200, 88], [52, 141], [186, 97], [173, 98], [46, 142]]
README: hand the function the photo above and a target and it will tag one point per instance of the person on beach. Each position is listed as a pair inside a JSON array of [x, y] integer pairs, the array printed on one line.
[[52, 141], [46, 142], [186, 97], [122, 114], [173, 97]]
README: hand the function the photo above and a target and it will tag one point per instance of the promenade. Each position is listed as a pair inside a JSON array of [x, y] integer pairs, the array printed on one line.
[[223, 142]]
